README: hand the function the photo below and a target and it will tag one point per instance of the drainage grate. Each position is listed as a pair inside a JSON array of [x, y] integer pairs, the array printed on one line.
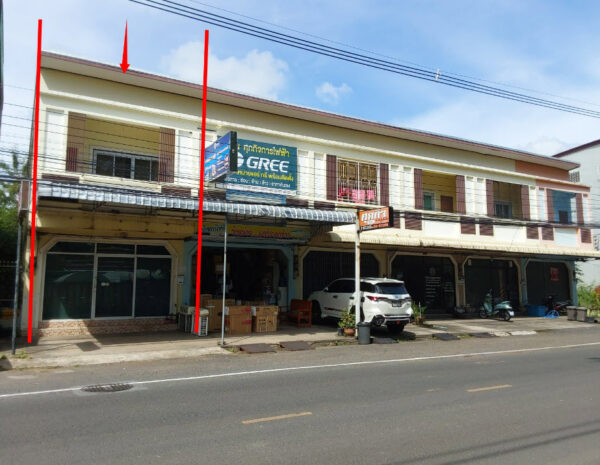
[[116, 387]]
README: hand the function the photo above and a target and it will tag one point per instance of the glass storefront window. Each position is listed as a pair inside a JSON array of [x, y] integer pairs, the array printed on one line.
[[114, 287], [152, 250], [116, 249], [68, 286], [153, 286], [69, 278], [73, 247]]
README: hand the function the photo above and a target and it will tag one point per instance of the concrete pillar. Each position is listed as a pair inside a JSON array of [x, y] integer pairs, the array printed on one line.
[[573, 282], [523, 281]]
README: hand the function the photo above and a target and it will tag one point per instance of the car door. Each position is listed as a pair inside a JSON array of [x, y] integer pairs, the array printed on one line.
[[328, 298], [343, 301]]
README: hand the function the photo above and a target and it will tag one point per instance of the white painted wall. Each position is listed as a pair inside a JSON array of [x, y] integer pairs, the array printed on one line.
[[566, 237], [53, 153]]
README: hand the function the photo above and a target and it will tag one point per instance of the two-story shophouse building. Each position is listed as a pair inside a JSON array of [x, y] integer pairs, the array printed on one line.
[[118, 199]]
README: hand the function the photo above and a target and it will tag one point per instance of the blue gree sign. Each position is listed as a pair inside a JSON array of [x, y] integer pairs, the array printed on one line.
[[221, 157], [266, 168]]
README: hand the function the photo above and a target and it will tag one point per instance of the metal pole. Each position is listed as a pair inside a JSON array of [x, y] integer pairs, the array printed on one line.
[[16, 293], [357, 272], [224, 283]]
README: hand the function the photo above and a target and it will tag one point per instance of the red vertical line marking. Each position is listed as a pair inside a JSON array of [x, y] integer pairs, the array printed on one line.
[[201, 190], [34, 175]]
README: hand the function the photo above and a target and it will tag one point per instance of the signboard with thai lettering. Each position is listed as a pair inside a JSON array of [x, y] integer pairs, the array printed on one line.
[[265, 168], [376, 219], [297, 234], [221, 157]]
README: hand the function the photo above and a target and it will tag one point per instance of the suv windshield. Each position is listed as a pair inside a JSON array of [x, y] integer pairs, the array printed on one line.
[[390, 288]]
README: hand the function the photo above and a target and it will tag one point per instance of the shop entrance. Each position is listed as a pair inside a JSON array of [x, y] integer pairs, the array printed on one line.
[[319, 268], [500, 276], [106, 280], [547, 279], [428, 280], [253, 275]]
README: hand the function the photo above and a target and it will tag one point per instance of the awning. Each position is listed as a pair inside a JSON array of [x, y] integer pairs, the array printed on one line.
[[93, 193], [389, 237]]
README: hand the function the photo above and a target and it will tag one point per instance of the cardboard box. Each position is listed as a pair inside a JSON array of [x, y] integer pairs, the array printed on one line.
[[214, 318], [215, 309], [238, 320], [264, 324], [266, 310]]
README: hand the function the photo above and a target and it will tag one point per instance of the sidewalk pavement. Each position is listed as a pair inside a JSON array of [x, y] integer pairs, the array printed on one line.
[[52, 352]]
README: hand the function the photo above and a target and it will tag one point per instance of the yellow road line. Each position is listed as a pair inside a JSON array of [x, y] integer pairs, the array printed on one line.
[[279, 417], [490, 388]]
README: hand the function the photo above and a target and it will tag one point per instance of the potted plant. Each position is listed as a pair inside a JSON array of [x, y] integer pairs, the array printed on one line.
[[347, 323], [419, 313]]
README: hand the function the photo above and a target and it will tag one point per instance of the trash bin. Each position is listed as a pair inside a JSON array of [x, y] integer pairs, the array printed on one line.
[[571, 313], [364, 332], [581, 313]]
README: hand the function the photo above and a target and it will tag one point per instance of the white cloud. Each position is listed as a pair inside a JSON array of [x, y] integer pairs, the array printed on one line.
[[329, 93], [257, 73], [508, 124]]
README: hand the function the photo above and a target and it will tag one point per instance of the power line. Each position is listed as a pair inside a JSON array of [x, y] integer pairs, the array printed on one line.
[[89, 166], [357, 58], [396, 59]]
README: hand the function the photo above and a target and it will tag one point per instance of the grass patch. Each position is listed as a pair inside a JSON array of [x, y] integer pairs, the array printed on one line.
[[21, 354]]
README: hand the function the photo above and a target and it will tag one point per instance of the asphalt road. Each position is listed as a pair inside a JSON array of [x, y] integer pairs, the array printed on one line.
[[517, 400]]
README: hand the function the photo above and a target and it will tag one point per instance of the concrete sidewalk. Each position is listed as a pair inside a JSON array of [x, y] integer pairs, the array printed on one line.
[[51, 352]]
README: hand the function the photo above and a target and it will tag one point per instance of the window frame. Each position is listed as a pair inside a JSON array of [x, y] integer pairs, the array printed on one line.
[[432, 195], [369, 183], [133, 156], [503, 203]]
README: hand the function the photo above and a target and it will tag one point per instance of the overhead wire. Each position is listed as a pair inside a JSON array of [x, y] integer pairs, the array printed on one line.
[[396, 59], [138, 148], [89, 165], [182, 10]]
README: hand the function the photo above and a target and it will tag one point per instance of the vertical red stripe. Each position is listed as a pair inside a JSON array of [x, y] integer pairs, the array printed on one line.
[[418, 185], [201, 190], [579, 207], [384, 188], [526, 210], [36, 131], [331, 178]]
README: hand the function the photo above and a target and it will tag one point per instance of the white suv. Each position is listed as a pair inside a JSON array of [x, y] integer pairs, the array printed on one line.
[[383, 301]]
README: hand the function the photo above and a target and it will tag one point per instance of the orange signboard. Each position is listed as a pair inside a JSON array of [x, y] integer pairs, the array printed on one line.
[[376, 218]]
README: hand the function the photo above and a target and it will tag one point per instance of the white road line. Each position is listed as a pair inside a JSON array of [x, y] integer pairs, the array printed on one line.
[[278, 417], [310, 367], [490, 388]]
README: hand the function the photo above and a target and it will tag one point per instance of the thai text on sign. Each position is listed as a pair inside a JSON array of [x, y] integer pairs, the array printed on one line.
[[376, 218]]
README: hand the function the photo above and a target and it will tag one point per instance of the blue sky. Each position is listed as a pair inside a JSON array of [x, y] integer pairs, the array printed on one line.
[[546, 46]]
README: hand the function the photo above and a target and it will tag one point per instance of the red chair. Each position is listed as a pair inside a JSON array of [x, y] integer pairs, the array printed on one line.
[[301, 313]]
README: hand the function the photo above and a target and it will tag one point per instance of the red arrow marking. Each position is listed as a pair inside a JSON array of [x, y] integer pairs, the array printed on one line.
[[124, 64]]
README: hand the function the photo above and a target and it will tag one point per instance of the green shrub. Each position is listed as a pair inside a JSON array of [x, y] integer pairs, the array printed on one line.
[[347, 321], [587, 297]]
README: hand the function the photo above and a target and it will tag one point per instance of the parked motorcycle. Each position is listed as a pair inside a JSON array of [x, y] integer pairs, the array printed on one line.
[[554, 309], [492, 307]]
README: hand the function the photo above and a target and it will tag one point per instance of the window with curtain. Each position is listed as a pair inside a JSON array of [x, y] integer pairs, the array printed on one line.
[[357, 182]]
